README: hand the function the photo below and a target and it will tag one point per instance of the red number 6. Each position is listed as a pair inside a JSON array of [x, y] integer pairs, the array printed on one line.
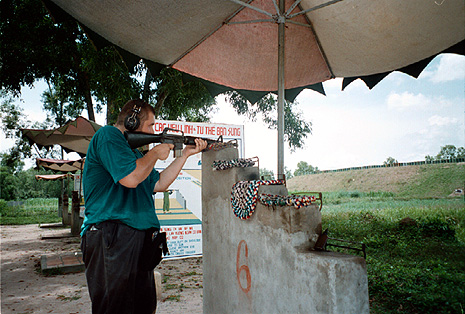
[[243, 267]]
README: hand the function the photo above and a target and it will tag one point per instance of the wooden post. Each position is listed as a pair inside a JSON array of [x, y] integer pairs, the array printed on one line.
[[65, 211], [60, 208], [75, 221]]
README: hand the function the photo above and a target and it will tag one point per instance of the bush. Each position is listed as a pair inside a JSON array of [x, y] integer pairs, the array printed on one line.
[[3, 207], [380, 194], [414, 267], [435, 227], [32, 211]]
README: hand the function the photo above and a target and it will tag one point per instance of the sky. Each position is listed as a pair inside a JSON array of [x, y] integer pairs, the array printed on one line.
[[401, 117]]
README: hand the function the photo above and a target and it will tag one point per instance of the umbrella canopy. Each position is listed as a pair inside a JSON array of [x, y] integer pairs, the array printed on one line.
[[235, 43], [265, 45], [74, 136], [51, 177], [65, 166]]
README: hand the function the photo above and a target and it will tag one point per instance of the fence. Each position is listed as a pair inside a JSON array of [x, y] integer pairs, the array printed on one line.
[[397, 164]]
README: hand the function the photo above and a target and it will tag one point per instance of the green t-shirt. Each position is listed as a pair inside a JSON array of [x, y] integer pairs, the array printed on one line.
[[109, 159]]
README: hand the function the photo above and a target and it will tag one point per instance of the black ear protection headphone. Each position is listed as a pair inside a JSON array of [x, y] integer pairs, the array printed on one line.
[[132, 121]]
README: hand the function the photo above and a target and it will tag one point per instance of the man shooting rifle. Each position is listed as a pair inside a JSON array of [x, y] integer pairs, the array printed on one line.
[[120, 220]]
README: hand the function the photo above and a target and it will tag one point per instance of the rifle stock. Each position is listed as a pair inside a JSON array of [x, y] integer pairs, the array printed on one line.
[[139, 139]]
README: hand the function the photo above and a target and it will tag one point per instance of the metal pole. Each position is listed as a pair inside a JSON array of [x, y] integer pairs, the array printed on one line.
[[281, 25]]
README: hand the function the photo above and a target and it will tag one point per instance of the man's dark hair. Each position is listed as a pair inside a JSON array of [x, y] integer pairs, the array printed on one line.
[[145, 108]]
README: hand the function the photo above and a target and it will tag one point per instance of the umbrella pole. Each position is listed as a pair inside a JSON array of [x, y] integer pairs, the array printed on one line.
[[281, 28], [80, 180]]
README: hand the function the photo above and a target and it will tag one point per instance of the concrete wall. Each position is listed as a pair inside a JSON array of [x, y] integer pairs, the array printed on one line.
[[266, 264]]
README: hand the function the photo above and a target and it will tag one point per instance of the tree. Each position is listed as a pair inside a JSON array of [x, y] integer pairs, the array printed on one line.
[[304, 168], [111, 82], [16, 183], [460, 152], [9, 168], [429, 158], [77, 72], [27, 37], [266, 174], [175, 100], [449, 152], [287, 173], [13, 120], [11, 164], [8, 184], [390, 161], [33, 46], [296, 129]]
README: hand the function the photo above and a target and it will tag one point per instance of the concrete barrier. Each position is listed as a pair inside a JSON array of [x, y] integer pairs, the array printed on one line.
[[158, 286], [266, 264], [75, 220], [65, 210]]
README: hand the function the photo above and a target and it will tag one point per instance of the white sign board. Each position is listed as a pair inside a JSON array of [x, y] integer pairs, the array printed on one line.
[[183, 221]]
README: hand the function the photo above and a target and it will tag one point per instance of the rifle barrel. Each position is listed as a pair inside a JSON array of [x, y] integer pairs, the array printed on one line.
[[190, 140]]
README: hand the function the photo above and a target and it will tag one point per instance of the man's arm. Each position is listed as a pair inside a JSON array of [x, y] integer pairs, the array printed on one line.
[[170, 173], [144, 165]]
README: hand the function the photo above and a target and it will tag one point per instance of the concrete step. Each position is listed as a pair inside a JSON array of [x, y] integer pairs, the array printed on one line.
[[52, 225], [62, 263]]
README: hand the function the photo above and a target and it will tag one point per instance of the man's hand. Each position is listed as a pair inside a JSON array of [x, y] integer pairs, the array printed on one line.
[[190, 150], [162, 151], [145, 165], [170, 173]]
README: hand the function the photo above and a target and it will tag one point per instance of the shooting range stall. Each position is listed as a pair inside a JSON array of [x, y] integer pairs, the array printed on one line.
[[73, 136], [259, 247], [67, 168]]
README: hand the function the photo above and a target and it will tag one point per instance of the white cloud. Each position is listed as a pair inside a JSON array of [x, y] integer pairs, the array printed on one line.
[[441, 121], [396, 78], [451, 67], [406, 100], [335, 83]]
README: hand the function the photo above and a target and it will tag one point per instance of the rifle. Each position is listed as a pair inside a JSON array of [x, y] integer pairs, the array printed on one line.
[[138, 139]]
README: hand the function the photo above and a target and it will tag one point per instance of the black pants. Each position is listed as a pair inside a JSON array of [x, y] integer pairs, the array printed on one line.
[[111, 252]]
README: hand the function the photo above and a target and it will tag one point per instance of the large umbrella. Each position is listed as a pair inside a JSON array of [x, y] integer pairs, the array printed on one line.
[[58, 165], [74, 136], [52, 177], [265, 45]]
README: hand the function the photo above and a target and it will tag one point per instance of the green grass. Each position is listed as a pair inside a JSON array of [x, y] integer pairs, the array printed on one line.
[[32, 211], [437, 180], [74, 297], [409, 182], [412, 268]]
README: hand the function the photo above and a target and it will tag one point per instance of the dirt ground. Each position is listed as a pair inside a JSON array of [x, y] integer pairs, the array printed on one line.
[[25, 290]]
